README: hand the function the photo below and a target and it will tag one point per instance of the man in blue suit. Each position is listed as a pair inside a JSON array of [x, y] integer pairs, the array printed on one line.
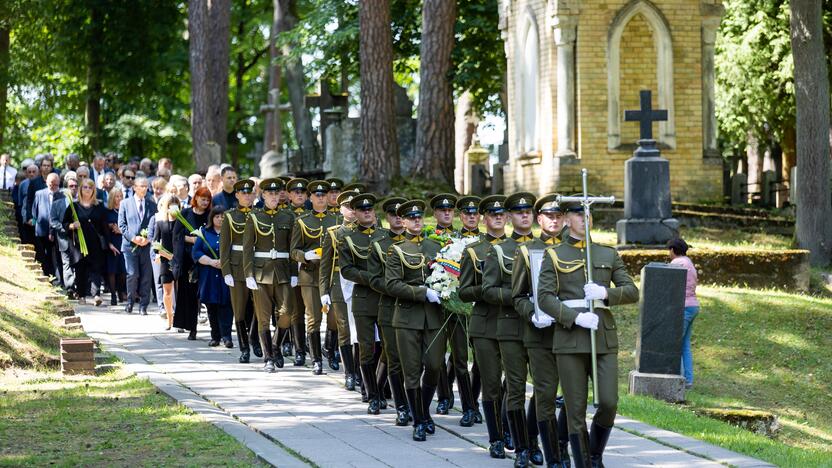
[[135, 214], [61, 236], [41, 209]]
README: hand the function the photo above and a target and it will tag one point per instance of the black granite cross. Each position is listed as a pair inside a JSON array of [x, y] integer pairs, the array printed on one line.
[[646, 116]]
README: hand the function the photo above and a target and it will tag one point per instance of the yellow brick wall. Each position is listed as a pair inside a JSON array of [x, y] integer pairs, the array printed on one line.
[[691, 178]]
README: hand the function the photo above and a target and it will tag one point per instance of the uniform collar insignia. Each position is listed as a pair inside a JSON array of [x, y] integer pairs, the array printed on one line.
[[244, 210], [271, 212], [320, 215]]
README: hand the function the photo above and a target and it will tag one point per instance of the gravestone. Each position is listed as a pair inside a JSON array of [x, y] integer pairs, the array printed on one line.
[[647, 204], [768, 188], [659, 339], [332, 107], [477, 157], [739, 189]]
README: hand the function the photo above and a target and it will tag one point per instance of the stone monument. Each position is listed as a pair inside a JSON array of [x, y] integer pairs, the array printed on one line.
[[660, 327], [647, 206]]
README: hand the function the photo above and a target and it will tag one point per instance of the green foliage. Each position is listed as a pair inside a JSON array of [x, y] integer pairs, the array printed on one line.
[[478, 55]]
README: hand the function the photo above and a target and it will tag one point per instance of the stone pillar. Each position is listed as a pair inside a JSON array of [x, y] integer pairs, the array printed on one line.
[[710, 26], [565, 27]]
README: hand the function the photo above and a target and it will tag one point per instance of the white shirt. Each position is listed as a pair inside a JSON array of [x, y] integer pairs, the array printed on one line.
[[8, 175], [98, 176]]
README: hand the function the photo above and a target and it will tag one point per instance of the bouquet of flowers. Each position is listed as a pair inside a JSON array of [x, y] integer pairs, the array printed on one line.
[[444, 277], [430, 232], [177, 213], [81, 240], [141, 234], [157, 246]]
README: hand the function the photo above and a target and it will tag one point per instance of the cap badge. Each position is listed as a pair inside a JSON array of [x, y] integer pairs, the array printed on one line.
[[496, 204]]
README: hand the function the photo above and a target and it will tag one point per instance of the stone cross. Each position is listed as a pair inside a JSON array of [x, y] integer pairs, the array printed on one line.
[[327, 101], [646, 116]]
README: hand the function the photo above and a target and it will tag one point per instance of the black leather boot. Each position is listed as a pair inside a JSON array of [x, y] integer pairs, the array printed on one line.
[[372, 388], [463, 381], [334, 358], [427, 397], [300, 344], [268, 353], [549, 443], [507, 440], [399, 399], [495, 432], [519, 433], [279, 337], [444, 390], [598, 437], [580, 450], [253, 338], [535, 454], [242, 340], [563, 434], [381, 382], [414, 398], [315, 350], [349, 368], [287, 345]]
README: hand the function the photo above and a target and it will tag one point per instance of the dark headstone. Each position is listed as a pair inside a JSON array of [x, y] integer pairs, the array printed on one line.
[[661, 319], [647, 203], [768, 188], [739, 189]]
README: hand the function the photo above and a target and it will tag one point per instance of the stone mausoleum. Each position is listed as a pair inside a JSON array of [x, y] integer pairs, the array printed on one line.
[[574, 66]]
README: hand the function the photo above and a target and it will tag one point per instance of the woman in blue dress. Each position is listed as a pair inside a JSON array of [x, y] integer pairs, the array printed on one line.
[[213, 291]]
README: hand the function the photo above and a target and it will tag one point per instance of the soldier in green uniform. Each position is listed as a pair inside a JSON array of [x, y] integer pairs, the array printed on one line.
[[482, 327], [267, 272], [443, 213], [353, 255], [307, 235], [564, 292], [329, 285], [283, 195], [335, 187], [231, 262], [387, 303], [418, 317], [496, 278], [537, 336], [296, 189]]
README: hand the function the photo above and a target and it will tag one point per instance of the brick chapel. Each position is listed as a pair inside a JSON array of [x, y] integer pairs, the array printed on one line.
[[574, 66]]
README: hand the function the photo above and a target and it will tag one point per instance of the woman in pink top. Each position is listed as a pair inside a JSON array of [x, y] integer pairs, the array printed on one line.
[[678, 256]]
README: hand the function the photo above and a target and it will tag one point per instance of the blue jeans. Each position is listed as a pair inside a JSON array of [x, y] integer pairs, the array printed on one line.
[[687, 355]]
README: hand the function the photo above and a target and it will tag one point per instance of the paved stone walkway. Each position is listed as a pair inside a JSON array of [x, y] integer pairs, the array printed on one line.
[[293, 418]]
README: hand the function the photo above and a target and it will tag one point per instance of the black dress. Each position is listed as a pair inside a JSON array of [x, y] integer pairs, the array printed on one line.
[[184, 270], [93, 224], [164, 234]]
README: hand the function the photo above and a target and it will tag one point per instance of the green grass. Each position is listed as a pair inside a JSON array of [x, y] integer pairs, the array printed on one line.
[[115, 419], [767, 350], [719, 239]]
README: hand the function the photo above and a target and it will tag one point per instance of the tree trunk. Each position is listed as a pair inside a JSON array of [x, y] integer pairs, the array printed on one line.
[[209, 26], [296, 84], [814, 208], [380, 148], [94, 86], [435, 126], [271, 134], [239, 72], [4, 76]]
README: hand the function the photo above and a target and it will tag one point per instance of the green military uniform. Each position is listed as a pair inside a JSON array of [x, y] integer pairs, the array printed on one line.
[[231, 263], [335, 185], [561, 284], [329, 280], [307, 235], [353, 255], [418, 323], [298, 315], [482, 327], [538, 343], [266, 262], [386, 307], [496, 286]]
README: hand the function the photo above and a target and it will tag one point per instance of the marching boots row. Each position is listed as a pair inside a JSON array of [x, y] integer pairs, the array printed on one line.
[[349, 368], [495, 432], [369, 378], [399, 399], [466, 395], [598, 437], [242, 340], [520, 435], [317, 358], [268, 352], [414, 398], [300, 344]]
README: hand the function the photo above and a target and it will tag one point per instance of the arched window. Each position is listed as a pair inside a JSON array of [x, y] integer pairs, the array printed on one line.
[[664, 71], [528, 87]]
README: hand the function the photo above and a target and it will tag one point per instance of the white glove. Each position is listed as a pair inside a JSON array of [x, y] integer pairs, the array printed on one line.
[[432, 296], [587, 320], [543, 321], [229, 281], [251, 284], [293, 281], [311, 255], [594, 291], [325, 300]]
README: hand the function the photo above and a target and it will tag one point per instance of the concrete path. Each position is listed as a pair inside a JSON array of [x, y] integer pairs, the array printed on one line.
[[293, 418]]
